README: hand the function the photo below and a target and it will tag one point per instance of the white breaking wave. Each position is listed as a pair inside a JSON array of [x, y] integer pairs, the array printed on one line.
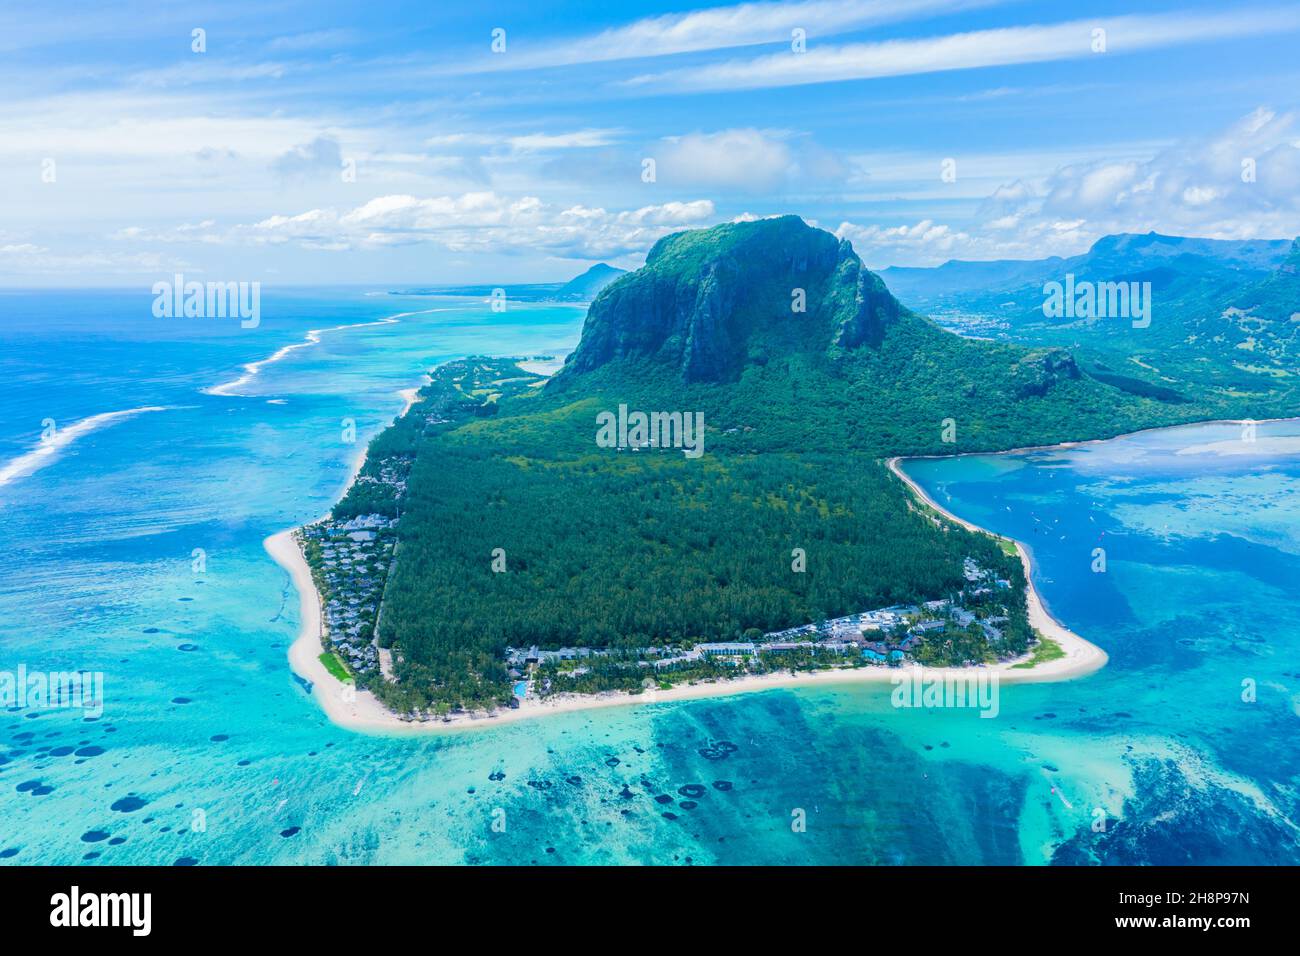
[[49, 448], [313, 338]]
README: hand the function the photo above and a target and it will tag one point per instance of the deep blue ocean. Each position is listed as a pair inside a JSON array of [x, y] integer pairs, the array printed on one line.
[[1183, 749]]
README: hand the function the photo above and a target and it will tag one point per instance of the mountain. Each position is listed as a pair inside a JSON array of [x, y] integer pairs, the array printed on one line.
[[520, 525], [587, 286], [709, 301], [739, 317], [959, 283]]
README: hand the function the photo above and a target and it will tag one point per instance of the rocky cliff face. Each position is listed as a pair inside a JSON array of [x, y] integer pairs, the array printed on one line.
[[709, 301]]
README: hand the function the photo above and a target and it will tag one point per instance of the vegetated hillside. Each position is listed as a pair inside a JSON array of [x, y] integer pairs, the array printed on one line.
[[1221, 319]]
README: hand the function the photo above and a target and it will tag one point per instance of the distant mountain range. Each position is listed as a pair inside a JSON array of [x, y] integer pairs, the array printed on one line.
[[1118, 254], [1225, 314], [581, 288]]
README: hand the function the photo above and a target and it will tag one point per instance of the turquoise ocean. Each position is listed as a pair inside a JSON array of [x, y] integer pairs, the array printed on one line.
[[210, 751]]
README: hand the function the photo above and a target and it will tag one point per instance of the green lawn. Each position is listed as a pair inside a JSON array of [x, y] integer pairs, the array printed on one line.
[[334, 664], [1045, 650]]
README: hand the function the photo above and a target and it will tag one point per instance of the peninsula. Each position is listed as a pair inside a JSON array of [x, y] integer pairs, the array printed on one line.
[[494, 559]]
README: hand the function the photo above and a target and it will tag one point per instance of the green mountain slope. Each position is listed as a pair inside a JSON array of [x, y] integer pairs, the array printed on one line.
[[1220, 329]]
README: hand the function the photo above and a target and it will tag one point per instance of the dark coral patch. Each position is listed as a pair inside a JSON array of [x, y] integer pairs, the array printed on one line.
[[718, 750]]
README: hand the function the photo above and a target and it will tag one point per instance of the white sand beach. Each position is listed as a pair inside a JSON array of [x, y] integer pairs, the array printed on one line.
[[1081, 657]]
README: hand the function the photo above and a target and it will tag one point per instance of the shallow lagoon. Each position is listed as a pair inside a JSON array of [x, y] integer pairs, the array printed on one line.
[[209, 751]]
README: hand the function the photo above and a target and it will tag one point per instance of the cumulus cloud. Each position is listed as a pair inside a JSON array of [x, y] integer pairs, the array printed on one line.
[[1243, 183], [471, 222], [747, 160], [924, 243], [744, 158]]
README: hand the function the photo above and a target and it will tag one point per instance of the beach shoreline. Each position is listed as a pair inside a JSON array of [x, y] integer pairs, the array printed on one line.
[[1082, 657], [362, 711]]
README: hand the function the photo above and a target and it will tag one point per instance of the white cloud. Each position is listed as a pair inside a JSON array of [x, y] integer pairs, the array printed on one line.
[[581, 139], [734, 158], [747, 160], [1193, 188], [716, 28], [824, 63], [321, 157], [1245, 181], [151, 129], [528, 142], [924, 243], [470, 222]]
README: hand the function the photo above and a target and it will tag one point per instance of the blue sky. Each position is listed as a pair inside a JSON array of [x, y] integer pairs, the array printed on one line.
[[387, 143]]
